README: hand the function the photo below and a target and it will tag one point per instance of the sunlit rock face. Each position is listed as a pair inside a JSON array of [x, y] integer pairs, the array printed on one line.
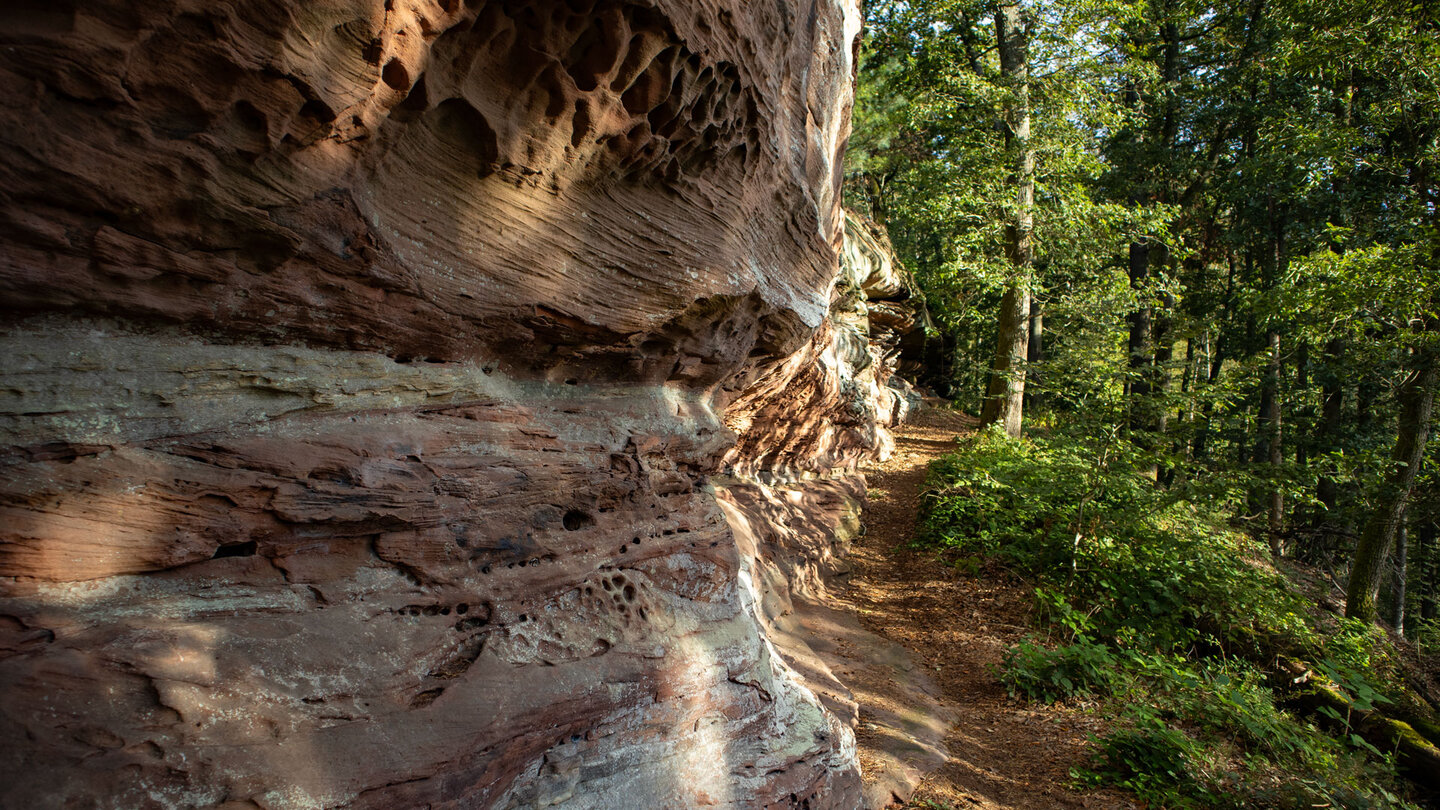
[[365, 364], [831, 404]]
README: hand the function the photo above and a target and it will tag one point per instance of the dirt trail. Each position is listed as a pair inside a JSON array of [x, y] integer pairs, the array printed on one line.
[[1001, 753]]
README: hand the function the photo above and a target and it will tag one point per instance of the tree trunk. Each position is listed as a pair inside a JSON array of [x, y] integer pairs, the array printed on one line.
[[1200, 447], [1036, 348], [1139, 343], [1304, 416], [1274, 268], [1427, 557], [875, 195], [1329, 429], [1164, 340], [1185, 413], [1034, 353], [1163, 337], [1366, 393], [1274, 449], [1397, 611], [1417, 401], [1417, 755], [1005, 397]]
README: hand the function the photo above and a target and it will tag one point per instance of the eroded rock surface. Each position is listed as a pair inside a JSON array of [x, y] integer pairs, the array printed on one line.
[[365, 364], [830, 404]]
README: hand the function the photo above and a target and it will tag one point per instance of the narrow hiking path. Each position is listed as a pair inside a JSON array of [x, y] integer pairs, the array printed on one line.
[[1001, 753]]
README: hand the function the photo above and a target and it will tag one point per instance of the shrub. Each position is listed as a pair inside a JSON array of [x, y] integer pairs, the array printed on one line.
[[1162, 609], [1048, 675], [1153, 761]]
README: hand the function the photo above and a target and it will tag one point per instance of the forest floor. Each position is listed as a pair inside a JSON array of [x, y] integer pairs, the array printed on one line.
[[956, 624]]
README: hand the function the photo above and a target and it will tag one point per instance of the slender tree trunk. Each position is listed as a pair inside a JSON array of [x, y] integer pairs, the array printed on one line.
[[1249, 448], [1427, 557], [1274, 449], [1397, 611], [1305, 415], [1005, 397], [1270, 402], [1034, 353], [1036, 348], [1139, 342], [1163, 337], [1146, 330], [1244, 452], [1154, 412], [1417, 402], [1189, 381], [1365, 394], [973, 49], [1185, 412], [1200, 447], [1328, 432]]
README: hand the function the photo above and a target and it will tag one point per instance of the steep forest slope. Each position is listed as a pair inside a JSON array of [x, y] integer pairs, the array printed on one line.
[[366, 366]]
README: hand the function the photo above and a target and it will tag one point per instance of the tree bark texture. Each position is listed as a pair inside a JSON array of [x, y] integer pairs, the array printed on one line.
[[1328, 431], [1417, 402], [1139, 342], [1034, 352], [1036, 349], [1402, 548], [1004, 401], [1200, 446], [1005, 396], [1274, 448], [1427, 558]]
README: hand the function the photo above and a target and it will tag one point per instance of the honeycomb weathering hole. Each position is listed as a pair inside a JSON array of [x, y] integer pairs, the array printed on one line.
[[575, 520], [247, 549], [395, 75], [462, 126]]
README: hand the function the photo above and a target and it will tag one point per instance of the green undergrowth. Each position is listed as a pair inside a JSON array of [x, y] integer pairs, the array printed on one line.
[[1148, 603]]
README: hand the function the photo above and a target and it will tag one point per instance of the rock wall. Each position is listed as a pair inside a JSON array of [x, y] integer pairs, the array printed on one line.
[[793, 500], [365, 366], [832, 403]]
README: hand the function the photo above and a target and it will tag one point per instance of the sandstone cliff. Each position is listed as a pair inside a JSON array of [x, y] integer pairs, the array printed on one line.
[[366, 366], [830, 404]]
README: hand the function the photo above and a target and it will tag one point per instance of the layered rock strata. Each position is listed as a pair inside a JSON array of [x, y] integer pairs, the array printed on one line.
[[366, 363], [802, 428], [794, 500], [831, 404]]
